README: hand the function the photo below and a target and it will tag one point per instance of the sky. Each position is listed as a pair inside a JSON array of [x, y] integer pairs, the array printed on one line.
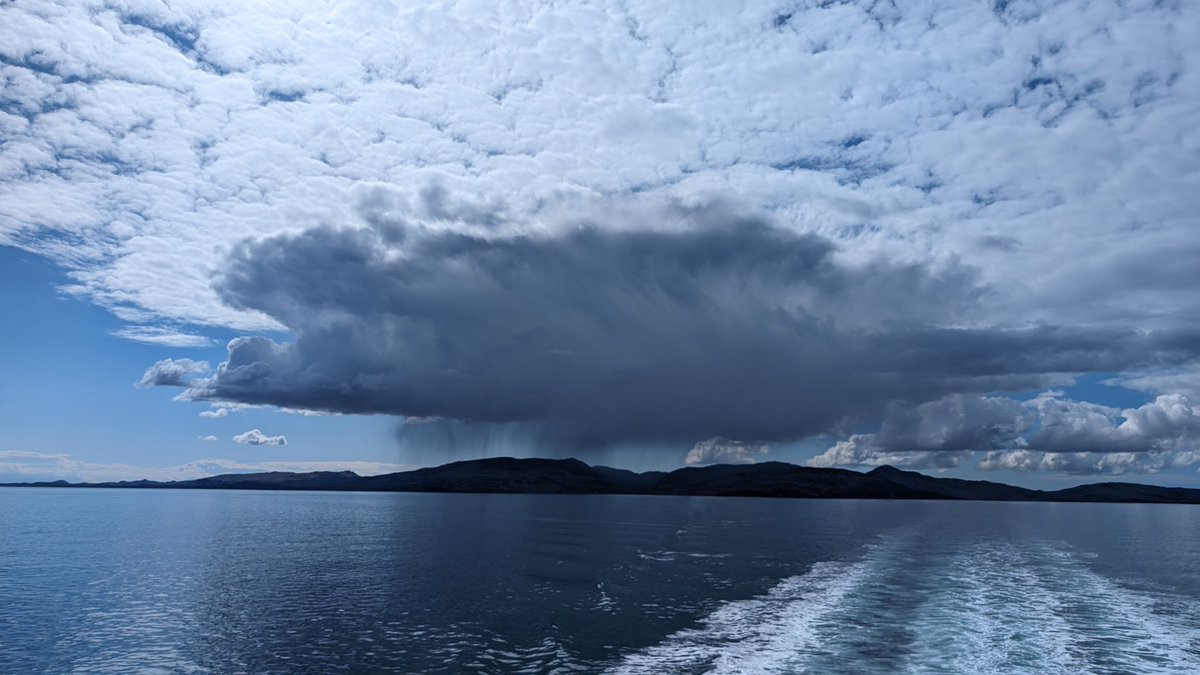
[[958, 237]]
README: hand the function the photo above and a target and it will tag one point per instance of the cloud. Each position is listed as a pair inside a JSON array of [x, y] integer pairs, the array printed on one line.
[[221, 410], [1168, 422], [130, 131], [209, 439], [1181, 380], [22, 466], [852, 454], [1000, 199], [165, 337], [256, 437], [937, 434], [1047, 433], [724, 451], [1088, 463], [173, 373], [701, 322]]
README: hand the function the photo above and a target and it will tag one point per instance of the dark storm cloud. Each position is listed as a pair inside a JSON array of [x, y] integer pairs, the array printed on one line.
[[720, 325]]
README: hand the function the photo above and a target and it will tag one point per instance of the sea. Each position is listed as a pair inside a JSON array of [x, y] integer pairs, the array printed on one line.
[[217, 581]]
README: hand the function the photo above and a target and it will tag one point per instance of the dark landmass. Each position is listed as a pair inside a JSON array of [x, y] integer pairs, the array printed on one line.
[[571, 476]]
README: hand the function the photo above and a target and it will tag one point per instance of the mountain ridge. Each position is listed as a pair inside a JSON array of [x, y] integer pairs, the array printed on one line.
[[572, 476]]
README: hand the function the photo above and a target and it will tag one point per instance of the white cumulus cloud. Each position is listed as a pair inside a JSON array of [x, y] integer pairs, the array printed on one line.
[[256, 437]]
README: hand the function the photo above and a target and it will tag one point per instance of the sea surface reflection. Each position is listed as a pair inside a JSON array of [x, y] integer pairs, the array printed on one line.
[[242, 581]]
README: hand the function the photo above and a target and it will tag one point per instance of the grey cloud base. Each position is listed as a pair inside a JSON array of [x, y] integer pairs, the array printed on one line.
[[708, 324]]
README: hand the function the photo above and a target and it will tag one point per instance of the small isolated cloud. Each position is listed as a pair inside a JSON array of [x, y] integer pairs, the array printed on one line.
[[719, 450], [209, 438], [173, 373], [216, 413], [256, 437]]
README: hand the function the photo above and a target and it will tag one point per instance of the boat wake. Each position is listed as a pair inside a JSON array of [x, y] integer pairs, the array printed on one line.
[[908, 605]]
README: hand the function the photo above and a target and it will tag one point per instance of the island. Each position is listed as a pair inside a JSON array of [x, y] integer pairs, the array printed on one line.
[[571, 476]]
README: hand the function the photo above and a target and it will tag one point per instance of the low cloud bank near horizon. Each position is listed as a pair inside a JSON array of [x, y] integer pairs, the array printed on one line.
[[1049, 432]]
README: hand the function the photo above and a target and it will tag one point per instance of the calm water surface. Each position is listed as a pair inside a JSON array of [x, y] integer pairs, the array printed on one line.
[[227, 581]]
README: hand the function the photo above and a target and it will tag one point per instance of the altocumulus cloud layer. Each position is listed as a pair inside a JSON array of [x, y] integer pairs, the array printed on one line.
[[509, 215]]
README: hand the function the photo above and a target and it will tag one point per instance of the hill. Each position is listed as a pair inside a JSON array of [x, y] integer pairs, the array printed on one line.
[[571, 476]]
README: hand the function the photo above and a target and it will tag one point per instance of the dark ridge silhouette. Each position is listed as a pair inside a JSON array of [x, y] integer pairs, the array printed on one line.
[[571, 476]]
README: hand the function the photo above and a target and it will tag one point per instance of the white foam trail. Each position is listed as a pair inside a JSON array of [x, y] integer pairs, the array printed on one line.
[[1039, 609], [1113, 629], [989, 606], [667, 556], [987, 613], [759, 635]]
